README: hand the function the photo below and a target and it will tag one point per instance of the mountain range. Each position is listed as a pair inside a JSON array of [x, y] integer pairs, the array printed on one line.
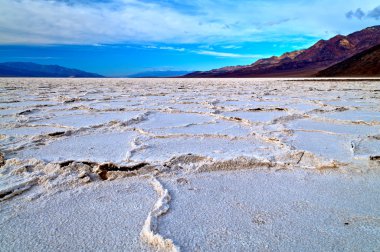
[[366, 63], [354, 55], [158, 74], [28, 69], [309, 62]]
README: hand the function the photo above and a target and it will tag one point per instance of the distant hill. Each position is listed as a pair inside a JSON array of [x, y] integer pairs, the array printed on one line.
[[363, 64], [157, 74], [303, 63], [28, 69]]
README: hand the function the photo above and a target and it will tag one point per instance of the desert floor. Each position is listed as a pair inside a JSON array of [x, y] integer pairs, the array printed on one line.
[[189, 164]]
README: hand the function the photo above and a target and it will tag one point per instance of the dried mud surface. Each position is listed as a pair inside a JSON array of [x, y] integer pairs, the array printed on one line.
[[171, 137]]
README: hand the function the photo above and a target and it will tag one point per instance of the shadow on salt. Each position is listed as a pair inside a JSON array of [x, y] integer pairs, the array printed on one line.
[[190, 107], [367, 104], [367, 148], [114, 104], [355, 115], [162, 149], [168, 120], [253, 104], [29, 131], [261, 116], [302, 107], [96, 147], [88, 119], [329, 146], [351, 129], [10, 112], [28, 104], [215, 128], [342, 142]]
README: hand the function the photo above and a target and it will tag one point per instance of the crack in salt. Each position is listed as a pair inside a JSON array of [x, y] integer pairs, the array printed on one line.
[[149, 232]]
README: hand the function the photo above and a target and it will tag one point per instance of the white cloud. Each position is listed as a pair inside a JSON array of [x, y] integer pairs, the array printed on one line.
[[150, 47], [131, 21], [231, 47], [203, 52], [200, 21], [171, 48]]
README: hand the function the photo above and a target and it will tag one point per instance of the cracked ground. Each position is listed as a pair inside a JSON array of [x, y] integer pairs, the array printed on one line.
[[189, 164]]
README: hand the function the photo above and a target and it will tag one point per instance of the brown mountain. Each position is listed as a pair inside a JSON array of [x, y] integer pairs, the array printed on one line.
[[308, 62], [363, 64]]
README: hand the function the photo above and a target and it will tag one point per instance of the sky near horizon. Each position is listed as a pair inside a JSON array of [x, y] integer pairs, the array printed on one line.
[[120, 37]]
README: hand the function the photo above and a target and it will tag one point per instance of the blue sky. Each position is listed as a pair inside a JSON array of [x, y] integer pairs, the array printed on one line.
[[120, 37]]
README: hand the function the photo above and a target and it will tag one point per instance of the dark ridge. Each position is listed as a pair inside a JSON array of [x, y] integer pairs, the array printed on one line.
[[107, 166], [26, 112], [336, 80], [58, 133], [374, 157], [2, 195], [28, 69], [366, 63], [104, 168], [114, 167], [66, 163], [2, 159]]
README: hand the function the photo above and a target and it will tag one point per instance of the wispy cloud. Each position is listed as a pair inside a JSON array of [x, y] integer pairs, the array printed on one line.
[[171, 48], [231, 47], [209, 52], [181, 22], [228, 55], [118, 21]]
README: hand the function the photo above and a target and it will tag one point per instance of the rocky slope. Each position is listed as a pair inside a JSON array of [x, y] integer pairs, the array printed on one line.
[[363, 64], [321, 55]]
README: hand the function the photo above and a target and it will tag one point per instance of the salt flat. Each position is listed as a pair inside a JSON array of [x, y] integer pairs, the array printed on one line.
[[190, 164]]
